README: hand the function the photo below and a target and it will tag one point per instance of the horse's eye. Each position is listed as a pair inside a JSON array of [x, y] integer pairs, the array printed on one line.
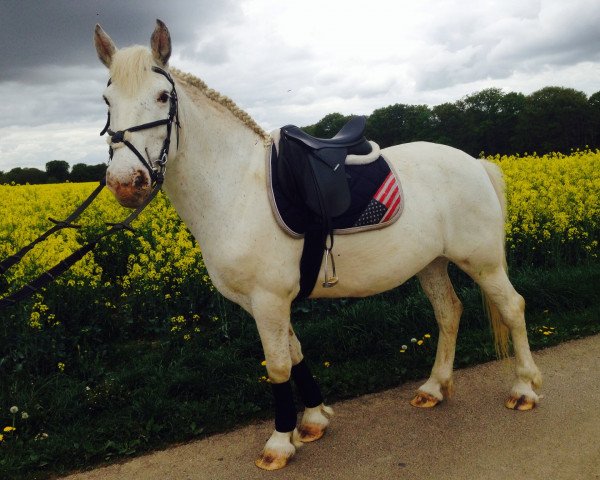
[[106, 100], [163, 97]]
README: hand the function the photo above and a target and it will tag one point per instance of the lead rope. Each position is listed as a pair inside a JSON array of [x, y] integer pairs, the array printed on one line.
[[58, 225], [61, 267], [156, 175]]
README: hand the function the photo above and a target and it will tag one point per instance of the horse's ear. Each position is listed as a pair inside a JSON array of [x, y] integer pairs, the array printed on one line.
[[104, 46], [161, 43]]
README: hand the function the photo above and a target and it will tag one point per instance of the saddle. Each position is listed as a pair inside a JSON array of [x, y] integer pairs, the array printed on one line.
[[312, 171]]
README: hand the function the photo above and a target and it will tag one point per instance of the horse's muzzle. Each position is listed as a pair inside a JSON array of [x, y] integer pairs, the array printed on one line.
[[133, 192]]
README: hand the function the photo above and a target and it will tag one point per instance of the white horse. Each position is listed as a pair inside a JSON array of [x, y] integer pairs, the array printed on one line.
[[216, 179]]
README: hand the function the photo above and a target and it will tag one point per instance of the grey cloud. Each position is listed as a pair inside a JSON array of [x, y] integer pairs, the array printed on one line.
[[35, 33], [548, 34]]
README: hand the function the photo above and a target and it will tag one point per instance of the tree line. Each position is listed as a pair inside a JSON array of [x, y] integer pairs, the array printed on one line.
[[57, 171], [553, 119]]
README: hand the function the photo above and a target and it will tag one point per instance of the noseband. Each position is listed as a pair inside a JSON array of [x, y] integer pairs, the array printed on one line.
[[157, 170]]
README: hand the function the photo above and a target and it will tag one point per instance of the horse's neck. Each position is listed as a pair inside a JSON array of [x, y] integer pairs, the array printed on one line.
[[219, 166]]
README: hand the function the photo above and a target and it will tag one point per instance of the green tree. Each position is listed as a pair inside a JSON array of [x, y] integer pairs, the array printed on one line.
[[594, 125], [57, 170], [449, 124], [553, 119], [400, 124], [87, 173], [21, 176]]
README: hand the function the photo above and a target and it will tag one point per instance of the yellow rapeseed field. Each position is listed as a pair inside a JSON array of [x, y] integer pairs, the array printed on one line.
[[553, 211], [553, 204]]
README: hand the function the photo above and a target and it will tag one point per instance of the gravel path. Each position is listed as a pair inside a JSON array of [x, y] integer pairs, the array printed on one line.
[[380, 436]]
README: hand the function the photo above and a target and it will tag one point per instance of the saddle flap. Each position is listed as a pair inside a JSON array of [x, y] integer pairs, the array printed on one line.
[[329, 174]]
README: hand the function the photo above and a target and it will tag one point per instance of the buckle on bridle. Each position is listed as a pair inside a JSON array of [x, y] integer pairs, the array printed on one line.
[[118, 137]]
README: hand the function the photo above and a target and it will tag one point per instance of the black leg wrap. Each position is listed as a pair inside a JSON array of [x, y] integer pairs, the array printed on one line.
[[285, 409], [309, 390]]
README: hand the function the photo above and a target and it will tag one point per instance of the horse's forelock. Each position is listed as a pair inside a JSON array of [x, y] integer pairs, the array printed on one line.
[[131, 68]]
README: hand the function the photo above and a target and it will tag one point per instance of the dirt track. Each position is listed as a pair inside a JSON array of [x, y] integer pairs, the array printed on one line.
[[380, 436]]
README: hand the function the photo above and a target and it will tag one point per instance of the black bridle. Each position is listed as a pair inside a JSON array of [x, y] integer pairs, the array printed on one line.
[[157, 170]]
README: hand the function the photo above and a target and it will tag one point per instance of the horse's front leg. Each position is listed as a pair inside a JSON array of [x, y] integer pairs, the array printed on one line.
[[316, 414], [272, 316]]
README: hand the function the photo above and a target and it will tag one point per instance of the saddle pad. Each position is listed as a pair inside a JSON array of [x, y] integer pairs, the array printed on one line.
[[376, 200]]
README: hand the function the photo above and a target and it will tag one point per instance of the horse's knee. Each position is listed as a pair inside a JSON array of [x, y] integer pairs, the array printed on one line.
[[279, 370]]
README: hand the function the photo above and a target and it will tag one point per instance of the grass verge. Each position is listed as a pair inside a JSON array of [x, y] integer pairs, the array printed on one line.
[[113, 399]]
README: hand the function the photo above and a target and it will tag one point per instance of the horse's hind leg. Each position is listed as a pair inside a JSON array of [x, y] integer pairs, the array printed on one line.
[[448, 309], [506, 303]]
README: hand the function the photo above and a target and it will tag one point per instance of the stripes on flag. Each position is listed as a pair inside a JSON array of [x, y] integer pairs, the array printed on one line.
[[383, 205], [389, 195]]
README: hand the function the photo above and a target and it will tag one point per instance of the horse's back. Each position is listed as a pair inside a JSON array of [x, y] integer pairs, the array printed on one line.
[[464, 191]]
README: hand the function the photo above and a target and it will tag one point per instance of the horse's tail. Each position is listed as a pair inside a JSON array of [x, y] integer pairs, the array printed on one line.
[[501, 332]]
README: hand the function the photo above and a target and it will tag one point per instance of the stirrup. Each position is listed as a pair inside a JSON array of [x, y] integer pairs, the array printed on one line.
[[333, 280]]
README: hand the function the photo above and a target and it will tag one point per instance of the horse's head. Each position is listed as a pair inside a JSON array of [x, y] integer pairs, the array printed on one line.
[[142, 105]]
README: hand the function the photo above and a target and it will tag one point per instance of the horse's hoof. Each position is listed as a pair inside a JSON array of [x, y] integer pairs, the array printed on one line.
[[522, 403], [424, 400], [314, 423], [270, 460], [311, 432]]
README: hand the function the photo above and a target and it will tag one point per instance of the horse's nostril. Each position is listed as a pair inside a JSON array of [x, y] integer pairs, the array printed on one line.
[[139, 181]]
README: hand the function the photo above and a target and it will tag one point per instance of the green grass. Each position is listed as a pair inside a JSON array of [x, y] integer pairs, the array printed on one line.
[[122, 394]]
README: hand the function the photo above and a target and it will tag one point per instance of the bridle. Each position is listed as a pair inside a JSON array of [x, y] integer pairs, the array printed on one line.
[[157, 170], [157, 176]]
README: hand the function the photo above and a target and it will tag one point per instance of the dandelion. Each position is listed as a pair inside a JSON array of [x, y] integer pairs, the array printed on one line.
[[427, 335], [187, 336], [264, 363], [1, 438], [14, 410], [24, 415], [326, 364], [420, 342], [9, 429], [413, 340], [61, 367]]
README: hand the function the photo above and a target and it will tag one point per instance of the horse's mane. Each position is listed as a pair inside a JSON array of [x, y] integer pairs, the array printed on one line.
[[215, 96], [129, 69]]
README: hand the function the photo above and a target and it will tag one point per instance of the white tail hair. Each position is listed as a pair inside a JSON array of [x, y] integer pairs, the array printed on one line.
[[500, 330]]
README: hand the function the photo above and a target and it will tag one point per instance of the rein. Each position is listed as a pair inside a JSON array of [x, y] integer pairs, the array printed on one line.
[[156, 176]]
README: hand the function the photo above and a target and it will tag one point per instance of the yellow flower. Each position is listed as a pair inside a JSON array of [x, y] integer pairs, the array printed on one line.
[[326, 364], [9, 429], [61, 366], [427, 335], [420, 342], [264, 363], [1, 437]]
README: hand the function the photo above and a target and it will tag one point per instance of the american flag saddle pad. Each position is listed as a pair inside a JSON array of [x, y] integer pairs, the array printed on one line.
[[376, 200]]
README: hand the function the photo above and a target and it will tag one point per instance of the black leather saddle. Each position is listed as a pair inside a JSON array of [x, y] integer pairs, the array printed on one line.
[[351, 136], [313, 169], [311, 174]]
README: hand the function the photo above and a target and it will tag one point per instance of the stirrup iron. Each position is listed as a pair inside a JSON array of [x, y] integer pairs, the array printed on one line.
[[333, 280]]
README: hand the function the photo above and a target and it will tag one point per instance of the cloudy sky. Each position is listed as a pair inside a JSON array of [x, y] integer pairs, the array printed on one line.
[[282, 61]]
